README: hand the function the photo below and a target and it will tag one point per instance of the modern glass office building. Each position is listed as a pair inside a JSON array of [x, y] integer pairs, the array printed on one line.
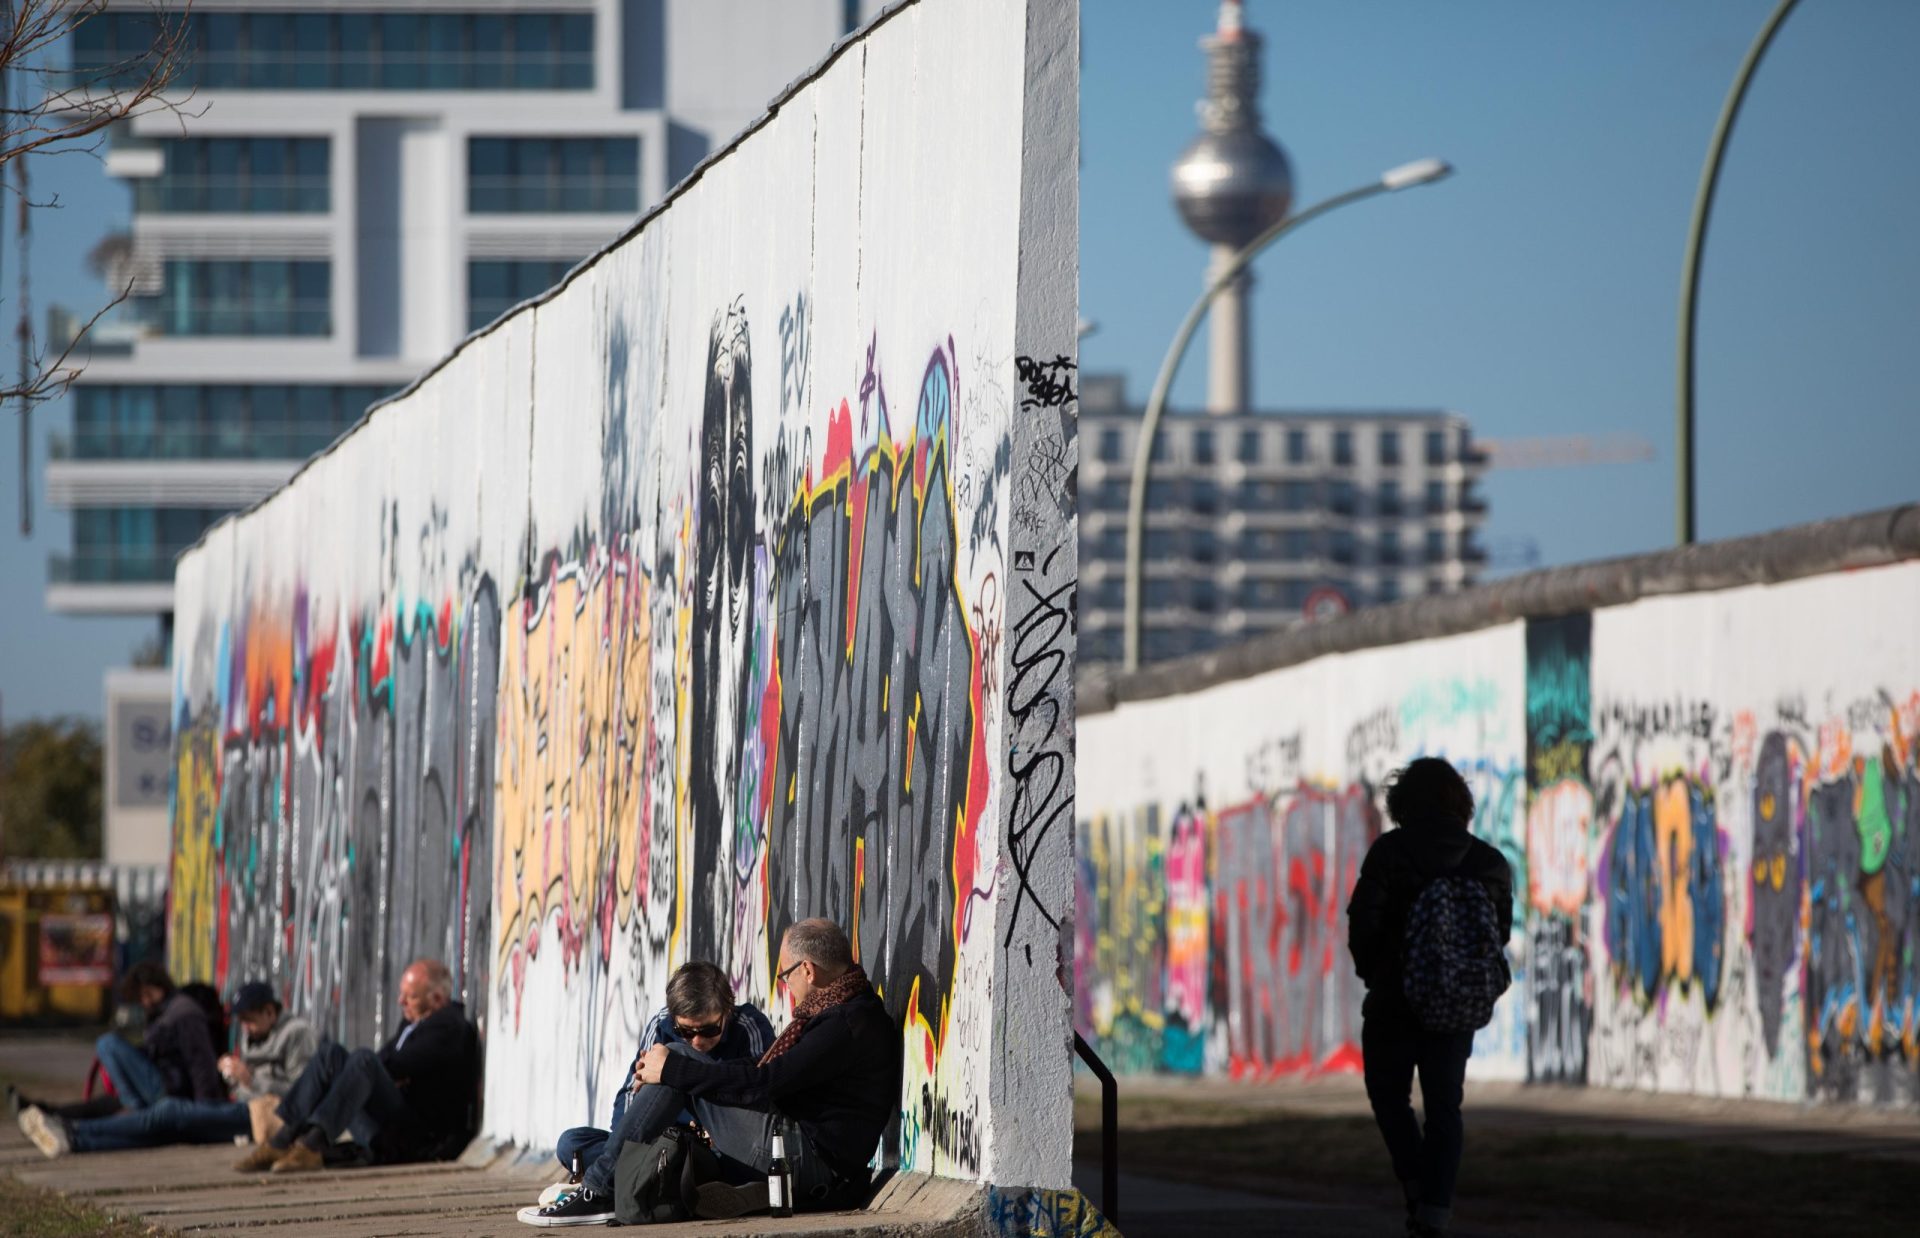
[[357, 185]]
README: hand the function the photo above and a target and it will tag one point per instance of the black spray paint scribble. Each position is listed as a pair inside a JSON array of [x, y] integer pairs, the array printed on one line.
[[1041, 663], [1049, 384]]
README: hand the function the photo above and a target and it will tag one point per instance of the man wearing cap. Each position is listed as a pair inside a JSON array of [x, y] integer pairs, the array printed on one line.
[[274, 1050]]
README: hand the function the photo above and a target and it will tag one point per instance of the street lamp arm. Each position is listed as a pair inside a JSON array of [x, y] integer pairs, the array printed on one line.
[[1690, 269], [1163, 383]]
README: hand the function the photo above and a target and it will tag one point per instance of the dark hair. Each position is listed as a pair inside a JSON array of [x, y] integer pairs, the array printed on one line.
[[698, 989], [146, 973], [1429, 788]]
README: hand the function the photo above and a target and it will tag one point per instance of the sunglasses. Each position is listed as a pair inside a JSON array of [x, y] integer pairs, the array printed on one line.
[[706, 1031]]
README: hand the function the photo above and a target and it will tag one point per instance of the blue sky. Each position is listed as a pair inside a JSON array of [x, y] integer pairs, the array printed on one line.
[[1535, 291]]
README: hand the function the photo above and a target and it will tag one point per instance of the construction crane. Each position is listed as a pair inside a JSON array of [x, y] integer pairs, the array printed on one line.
[[1565, 451]]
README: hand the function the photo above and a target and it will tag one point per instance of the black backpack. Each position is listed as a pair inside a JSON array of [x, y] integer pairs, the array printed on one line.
[[1456, 963], [658, 1180]]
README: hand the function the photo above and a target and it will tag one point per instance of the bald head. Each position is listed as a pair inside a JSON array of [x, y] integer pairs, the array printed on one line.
[[425, 986]]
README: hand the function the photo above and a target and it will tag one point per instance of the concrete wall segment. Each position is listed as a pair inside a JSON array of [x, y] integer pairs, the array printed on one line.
[[673, 607]]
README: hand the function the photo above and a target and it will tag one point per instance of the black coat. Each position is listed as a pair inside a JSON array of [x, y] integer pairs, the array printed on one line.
[[1398, 866], [179, 1042], [438, 1073], [839, 1083]]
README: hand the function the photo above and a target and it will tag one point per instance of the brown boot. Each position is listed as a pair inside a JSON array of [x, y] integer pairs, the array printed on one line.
[[299, 1159], [260, 1159]]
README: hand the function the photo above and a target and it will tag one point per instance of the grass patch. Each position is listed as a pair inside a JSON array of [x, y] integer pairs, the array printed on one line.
[[29, 1212], [1517, 1173]]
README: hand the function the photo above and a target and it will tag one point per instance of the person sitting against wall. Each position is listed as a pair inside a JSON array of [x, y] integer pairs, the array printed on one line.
[[413, 1100], [275, 1048], [832, 1078], [700, 1013], [174, 1059]]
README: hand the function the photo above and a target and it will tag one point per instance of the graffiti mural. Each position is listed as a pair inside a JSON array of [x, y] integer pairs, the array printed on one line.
[[1715, 846], [334, 810]]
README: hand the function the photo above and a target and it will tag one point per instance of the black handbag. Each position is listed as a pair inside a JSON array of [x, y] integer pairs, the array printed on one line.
[[658, 1180]]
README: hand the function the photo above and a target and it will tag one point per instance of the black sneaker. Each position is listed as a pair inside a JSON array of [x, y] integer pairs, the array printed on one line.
[[717, 1201], [581, 1207]]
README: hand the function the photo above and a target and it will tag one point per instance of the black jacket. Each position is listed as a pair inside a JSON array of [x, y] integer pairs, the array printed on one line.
[[180, 1044], [438, 1072], [840, 1082], [1398, 866]]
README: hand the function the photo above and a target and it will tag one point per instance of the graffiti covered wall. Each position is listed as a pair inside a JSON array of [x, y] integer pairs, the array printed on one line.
[[1711, 804], [730, 584]]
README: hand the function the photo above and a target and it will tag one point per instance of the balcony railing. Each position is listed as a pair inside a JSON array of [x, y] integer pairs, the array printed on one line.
[[293, 441], [120, 568]]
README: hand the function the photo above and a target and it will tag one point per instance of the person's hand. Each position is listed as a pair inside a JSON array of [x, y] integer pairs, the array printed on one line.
[[242, 1073], [652, 1062]]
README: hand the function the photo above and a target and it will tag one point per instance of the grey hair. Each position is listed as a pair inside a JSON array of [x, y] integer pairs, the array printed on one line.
[[699, 988], [822, 943], [439, 979]]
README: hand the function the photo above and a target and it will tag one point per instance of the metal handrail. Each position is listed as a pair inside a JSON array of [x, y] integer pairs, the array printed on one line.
[[1109, 1129]]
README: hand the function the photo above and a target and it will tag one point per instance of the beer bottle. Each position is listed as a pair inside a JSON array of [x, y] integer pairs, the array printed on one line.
[[779, 1179]]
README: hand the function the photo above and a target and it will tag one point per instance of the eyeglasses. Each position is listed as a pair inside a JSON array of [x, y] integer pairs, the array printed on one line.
[[706, 1031], [781, 978]]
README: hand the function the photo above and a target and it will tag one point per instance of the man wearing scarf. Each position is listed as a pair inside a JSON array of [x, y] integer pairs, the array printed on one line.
[[831, 1080]]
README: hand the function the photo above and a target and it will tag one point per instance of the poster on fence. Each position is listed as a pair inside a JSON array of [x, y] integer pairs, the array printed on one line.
[[76, 949]]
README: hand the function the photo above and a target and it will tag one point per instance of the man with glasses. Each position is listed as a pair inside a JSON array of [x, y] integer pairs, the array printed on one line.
[[833, 1076], [701, 1014]]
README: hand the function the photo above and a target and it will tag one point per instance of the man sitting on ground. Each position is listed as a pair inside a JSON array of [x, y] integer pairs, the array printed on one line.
[[276, 1048], [833, 1075], [411, 1101], [700, 1012]]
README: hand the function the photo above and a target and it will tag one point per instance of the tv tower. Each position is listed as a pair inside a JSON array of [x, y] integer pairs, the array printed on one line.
[[1231, 184]]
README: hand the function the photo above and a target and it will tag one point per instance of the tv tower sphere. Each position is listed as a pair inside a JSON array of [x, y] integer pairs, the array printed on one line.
[[1234, 181]]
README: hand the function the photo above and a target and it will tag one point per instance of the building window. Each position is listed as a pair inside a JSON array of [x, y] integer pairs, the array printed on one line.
[[127, 545], [1343, 547], [1110, 446], [1112, 495], [1204, 495], [1390, 448], [1390, 547], [1343, 447], [353, 50], [1203, 446], [1436, 447], [1436, 498], [1249, 449], [1158, 453], [263, 421], [495, 286], [264, 175], [1206, 596], [1300, 544], [251, 296], [1436, 546], [1294, 594], [559, 175], [1203, 546], [1389, 589], [1296, 446], [1296, 496], [1389, 498], [1344, 499]]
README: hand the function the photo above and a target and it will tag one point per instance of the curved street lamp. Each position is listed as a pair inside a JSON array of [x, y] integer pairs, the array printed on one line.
[[1406, 176], [1690, 269]]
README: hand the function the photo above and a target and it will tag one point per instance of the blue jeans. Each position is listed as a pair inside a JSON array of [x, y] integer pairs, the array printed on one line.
[[170, 1120], [135, 1078], [584, 1142], [1427, 1163], [341, 1091]]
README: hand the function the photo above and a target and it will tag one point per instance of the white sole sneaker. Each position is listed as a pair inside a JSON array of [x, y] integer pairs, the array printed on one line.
[[530, 1215], [47, 1134], [554, 1192]]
